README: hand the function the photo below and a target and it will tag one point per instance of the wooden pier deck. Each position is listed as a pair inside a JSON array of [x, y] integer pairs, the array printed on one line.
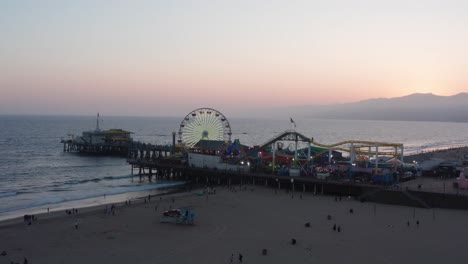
[[177, 169]]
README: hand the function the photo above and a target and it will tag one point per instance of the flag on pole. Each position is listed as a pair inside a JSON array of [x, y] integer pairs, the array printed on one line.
[[292, 122]]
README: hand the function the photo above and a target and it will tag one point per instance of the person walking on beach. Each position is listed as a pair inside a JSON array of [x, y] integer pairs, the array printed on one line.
[[76, 224], [240, 257], [232, 258]]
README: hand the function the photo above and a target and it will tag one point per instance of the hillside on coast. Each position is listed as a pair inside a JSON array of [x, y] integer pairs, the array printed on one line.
[[414, 107]]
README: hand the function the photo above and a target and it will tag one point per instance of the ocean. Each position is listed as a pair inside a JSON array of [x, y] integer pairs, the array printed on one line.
[[36, 174]]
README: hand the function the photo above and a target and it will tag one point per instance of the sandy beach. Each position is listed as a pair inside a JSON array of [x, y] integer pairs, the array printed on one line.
[[242, 222], [449, 154]]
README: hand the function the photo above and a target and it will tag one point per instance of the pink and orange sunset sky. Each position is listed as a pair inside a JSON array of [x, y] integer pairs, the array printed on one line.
[[158, 58]]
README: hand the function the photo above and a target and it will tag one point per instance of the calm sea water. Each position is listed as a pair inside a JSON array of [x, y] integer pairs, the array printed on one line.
[[35, 172]]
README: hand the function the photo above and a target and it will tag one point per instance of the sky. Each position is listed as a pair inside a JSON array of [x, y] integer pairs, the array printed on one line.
[[166, 58]]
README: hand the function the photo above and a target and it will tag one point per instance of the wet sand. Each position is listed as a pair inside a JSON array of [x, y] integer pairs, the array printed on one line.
[[245, 222]]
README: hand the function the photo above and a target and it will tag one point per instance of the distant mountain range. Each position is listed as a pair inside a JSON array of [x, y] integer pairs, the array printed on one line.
[[414, 107]]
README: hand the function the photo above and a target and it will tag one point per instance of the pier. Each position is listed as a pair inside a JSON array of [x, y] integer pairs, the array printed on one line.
[[295, 186], [156, 162], [204, 154]]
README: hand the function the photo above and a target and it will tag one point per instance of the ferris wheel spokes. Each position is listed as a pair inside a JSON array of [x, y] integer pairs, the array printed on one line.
[[204, 124]]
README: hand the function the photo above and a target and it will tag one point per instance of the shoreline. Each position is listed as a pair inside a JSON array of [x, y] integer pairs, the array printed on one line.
[[88, 204], [243, 221], [450, 153], [459, 153]]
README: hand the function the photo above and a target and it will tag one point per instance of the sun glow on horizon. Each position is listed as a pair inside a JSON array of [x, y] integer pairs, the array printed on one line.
[[148, 57]]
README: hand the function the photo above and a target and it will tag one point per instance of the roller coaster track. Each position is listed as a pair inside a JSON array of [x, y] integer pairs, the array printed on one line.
[[360, 144], [287, 135], [290, 135], [364, 143]]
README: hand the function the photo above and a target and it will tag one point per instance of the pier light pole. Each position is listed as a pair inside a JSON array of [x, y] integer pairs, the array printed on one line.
[[295, 154], [292, 184], [368, 156], [376, 158], [273, 150], [173, 143], [402, 154]]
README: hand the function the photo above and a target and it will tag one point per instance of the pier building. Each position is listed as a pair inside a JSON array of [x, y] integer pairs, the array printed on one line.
[[108, 142]]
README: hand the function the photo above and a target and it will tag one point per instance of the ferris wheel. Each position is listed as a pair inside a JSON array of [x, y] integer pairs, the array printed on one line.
[[206, 124]]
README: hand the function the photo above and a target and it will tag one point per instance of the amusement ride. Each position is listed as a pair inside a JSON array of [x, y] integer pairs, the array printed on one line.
[[204, 124], [289, 152]]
